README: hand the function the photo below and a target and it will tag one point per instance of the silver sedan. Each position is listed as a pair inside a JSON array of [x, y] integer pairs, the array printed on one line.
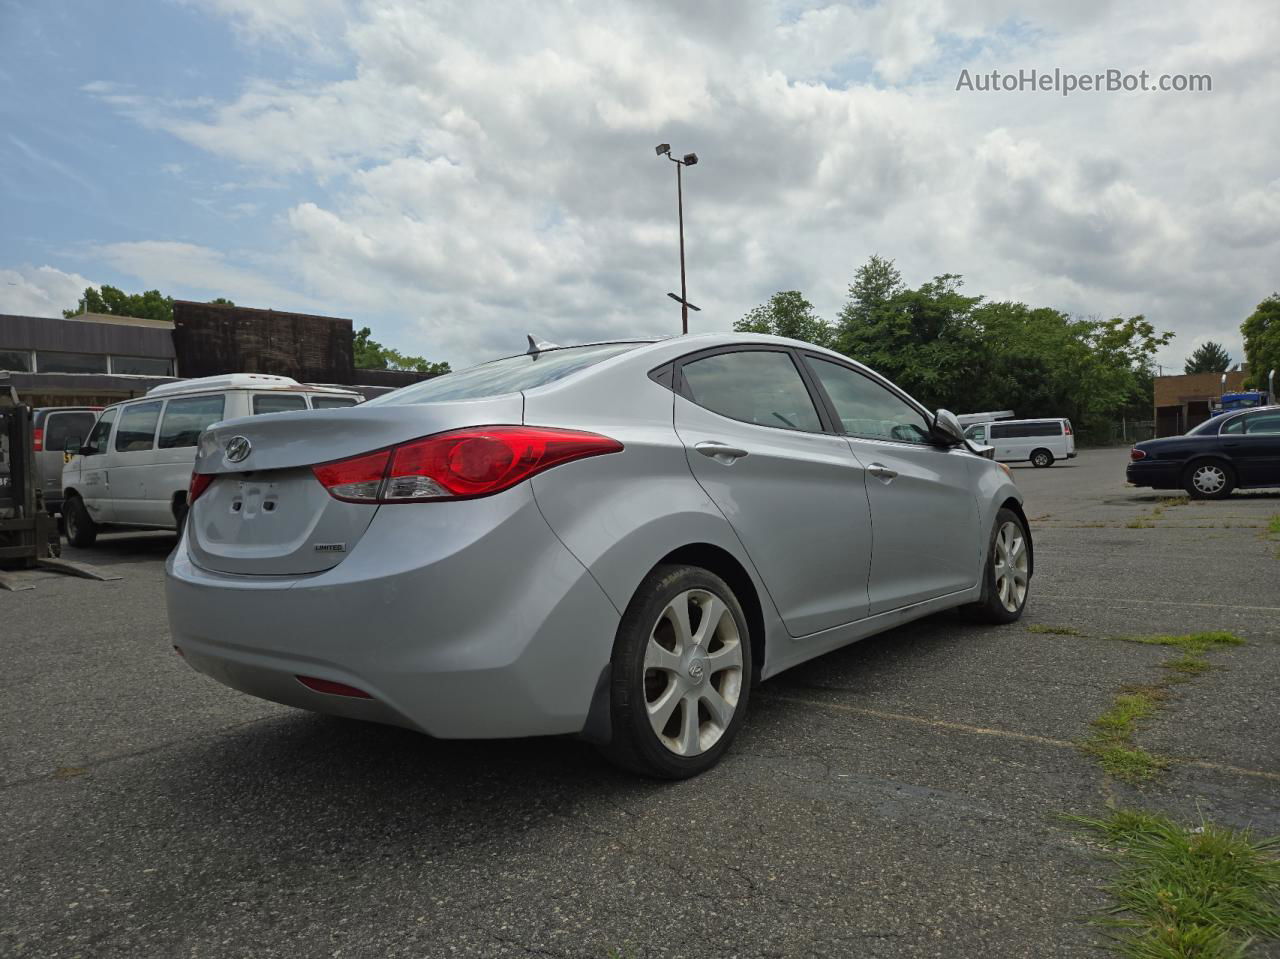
[[614, 540]]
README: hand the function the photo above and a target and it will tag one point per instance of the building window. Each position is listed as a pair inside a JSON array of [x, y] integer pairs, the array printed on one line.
[[141, 365], [18, 361], [50, 362]]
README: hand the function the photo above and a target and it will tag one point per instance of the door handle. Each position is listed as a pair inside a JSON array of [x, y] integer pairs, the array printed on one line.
[[880, 471], [719, 451]]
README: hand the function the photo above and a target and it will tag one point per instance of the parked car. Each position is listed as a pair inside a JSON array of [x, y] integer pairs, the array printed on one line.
[[1043, 442], [53, 427], [611, 540], [134, 468], [1238, 450]]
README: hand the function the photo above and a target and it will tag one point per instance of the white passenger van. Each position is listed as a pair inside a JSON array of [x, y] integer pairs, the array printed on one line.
[[1041, 441], [134, 468]]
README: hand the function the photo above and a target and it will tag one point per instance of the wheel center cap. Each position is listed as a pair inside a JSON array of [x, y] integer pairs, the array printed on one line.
[[697, 670], [696, 665]]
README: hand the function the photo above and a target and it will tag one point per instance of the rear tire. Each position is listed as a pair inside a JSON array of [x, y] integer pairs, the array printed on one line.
[[1041, 458], [681, 674], [1007, 583], [82, 531], [1209, 479]]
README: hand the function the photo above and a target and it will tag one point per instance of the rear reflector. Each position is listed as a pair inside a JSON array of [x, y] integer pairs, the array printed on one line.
[[1136, 454], [37, 440], [332, 688], [460, 464]]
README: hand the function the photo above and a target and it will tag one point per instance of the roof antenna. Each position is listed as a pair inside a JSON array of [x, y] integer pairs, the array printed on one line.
[[537, 346]]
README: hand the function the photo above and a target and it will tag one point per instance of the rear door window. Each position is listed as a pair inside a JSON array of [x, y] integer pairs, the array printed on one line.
[[60, 427], [332, 402], [1262, 423], [137, 430], [756, 386], [186, 418], [278, 403]]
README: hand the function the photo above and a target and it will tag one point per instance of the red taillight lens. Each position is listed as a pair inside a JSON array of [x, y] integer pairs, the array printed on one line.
[[470, 462], [37, 440], [199, 483], [356, 480], [1136, 454], [1066, 429], [332, 688]]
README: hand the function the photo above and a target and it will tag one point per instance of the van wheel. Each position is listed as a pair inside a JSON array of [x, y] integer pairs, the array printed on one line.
[[681, 674], [1209, 479], [1041, 458], [81, 529]]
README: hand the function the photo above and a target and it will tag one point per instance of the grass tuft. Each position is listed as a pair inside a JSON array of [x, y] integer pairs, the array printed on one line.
[[1273, 525], [1183, 893], [1054, 630], [1193, 643], [1140, 523], [1187, 665], [1167, 501]]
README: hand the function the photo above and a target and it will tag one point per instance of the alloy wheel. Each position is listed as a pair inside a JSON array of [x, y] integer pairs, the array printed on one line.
[[1209, 479], [692, 672], [1012, 564]]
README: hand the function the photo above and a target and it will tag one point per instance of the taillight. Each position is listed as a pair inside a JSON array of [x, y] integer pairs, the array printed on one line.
[[1136, 454], [199, 483], [37, 440], [1066, 429], [476, 461]]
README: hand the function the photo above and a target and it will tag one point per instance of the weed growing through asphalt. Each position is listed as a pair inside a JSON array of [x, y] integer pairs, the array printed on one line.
[[1141, 522], [1111, 743], [1167, 501], [1054, 630], [1273, 525], [1181, 893]]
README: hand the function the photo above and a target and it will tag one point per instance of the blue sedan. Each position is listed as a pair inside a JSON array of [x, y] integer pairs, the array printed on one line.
[[1238, 450]]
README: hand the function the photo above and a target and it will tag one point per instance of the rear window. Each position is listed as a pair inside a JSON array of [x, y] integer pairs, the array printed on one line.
[[60, 427], [511, 375]]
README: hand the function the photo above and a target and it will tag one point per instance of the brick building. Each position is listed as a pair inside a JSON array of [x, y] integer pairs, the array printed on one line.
[[1182, 402]]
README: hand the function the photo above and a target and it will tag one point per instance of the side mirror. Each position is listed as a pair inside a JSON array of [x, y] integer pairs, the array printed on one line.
[[74, 445], [947, 429]]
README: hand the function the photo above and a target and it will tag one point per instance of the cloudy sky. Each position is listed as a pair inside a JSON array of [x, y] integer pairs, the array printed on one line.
[[455, 174]]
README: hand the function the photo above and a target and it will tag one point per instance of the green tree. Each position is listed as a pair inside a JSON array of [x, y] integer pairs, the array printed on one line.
[[221, 301], [115, 302], [787, 313], [1262, 341], [1209, 357], [372, 355]]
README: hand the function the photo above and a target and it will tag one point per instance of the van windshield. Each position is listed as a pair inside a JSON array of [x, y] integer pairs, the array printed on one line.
[[510, 375]]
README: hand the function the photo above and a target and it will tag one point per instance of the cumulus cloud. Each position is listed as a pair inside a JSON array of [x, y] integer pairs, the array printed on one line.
[[479, 169], [40, 290]]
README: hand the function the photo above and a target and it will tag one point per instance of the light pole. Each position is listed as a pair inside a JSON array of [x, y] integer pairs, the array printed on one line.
[[689, 159]]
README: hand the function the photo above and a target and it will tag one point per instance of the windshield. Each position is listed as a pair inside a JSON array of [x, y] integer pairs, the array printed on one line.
[[511, 375]]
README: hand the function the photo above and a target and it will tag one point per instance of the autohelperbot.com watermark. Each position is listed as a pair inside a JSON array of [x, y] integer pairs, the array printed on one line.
[[1065, 82]]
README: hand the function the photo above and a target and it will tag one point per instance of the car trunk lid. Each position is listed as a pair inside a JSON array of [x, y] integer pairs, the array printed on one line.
[[265, 513]]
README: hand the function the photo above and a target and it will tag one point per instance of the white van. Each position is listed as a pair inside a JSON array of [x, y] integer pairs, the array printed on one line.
[[1041, 441], [134, 467]]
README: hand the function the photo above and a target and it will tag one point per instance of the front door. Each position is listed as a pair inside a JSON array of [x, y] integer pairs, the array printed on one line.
[[926, 540], [794, 494], [95, 477]]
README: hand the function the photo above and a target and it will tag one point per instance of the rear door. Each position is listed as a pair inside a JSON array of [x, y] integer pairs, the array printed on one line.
[[1256, 451], [926, 540], [792, 491], [57, 427]]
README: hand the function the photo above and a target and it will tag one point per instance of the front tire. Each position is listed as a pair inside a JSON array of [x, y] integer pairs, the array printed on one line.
[[1209, 479], [681, 674], [82, 531], [1041, 458], [1007, 572]]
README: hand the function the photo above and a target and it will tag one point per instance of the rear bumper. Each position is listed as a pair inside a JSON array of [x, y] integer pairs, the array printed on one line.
[[1156, 475], [462, 620]]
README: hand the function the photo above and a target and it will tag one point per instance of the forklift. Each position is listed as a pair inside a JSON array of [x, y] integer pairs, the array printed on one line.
[[28, 534]]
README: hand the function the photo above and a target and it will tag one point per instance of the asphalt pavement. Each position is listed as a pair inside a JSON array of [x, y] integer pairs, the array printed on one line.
[[901, 797]]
